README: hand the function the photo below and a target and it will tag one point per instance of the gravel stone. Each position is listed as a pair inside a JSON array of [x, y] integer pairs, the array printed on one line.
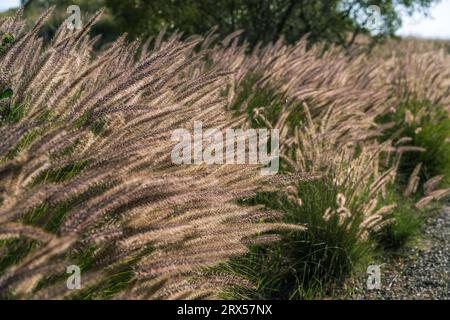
[[421, 272]]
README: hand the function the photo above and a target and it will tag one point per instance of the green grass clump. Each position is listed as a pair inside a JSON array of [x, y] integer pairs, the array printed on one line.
[[14, 250], [118, 276], [65, 173], [6, 40], [306, 264], [429, 128], [10, 112], [407, 222], [50, 217], [252, 95], [118, 279]]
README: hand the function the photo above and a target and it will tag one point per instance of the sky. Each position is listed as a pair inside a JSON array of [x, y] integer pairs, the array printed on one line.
[[436, 26], [7, 4]]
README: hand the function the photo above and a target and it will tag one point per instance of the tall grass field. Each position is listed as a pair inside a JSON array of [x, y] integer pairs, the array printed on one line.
[[87, 179]]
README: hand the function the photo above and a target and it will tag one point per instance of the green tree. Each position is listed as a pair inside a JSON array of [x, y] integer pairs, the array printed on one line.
[[336, 21], [106, 26]]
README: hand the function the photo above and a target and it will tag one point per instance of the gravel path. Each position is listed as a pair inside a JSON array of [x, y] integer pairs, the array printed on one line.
[[422, 272]]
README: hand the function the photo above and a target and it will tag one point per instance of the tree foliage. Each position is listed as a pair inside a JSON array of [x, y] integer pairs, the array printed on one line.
[[336, 21]]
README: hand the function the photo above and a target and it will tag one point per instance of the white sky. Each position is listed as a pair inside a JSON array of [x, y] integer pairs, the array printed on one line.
[[7, 4], [437, 25]]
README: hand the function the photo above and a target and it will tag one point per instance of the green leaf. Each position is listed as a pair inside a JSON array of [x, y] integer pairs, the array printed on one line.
[[7, 39], [7, 93]]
